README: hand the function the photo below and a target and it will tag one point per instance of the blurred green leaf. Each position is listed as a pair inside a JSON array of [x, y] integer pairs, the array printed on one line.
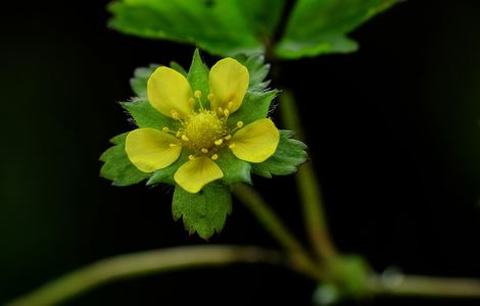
[[204, 212], [263, 16], [289, 155], [223, 27], [320, 26], [117, 167]]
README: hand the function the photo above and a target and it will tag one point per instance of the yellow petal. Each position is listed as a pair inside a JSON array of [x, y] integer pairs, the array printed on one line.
[[256, 141], [228, 81], [196, 173], [150, 149], [169, 91]]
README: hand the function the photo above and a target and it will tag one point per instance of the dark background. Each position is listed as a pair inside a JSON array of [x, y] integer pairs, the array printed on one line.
[[395, 140]]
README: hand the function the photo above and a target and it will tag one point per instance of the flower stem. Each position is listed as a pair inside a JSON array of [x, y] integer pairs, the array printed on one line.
[[253, 201], [308, 186], [425, 286], [145, 263]]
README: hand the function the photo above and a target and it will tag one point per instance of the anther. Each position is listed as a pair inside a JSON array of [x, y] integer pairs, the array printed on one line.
[[214, 157], [226, 112], [211, 97], [185, 138], [178, 134], [197, 94], [230, 105], [228, 137], [231, 146], [174, 114], [204, 150], [191, 100], [191, 157], [218, 142], [165, 129], [173, 145], [220, 110], [239, 124]]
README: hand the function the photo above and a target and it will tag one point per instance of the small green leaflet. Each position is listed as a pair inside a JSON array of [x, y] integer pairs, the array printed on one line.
[[204, 212], [289, 155], [117, 167]]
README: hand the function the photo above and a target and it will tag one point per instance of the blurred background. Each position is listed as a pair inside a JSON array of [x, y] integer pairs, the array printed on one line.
[[394, 136]]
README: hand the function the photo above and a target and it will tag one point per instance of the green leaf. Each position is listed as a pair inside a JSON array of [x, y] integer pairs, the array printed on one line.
[[165, 175], [145, 116], [256, 105], [234, 170], [221, 27], [140, 78], [320, 26], [204, 212], [117, 167], [263, 16], [289, 155], [198, 76]]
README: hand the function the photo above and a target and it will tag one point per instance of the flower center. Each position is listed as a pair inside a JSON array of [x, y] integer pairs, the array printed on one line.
[[203, 131]]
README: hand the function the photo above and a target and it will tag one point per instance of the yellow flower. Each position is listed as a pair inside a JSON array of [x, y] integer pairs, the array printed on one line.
[[203, 130]]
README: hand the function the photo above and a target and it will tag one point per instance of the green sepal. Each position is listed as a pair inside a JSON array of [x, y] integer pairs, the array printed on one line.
[[140, 78], [177, 67], [204, 212], [234, 170], [289, 155], [256, 105], [198, 77], [145, 116], [257, 70], [117, 167], [166, 174]]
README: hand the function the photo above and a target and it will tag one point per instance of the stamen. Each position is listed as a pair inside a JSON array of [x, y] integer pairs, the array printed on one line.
[[211, 97], [173, 145], [218, 142], [197, 94], [178, 134], [228, 137], [220, 110], [174, 114], [231, 146], [226, 112], [185, 138], [214, 157], [165, 129], [191, 157], [204, 150], [230, 105]]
